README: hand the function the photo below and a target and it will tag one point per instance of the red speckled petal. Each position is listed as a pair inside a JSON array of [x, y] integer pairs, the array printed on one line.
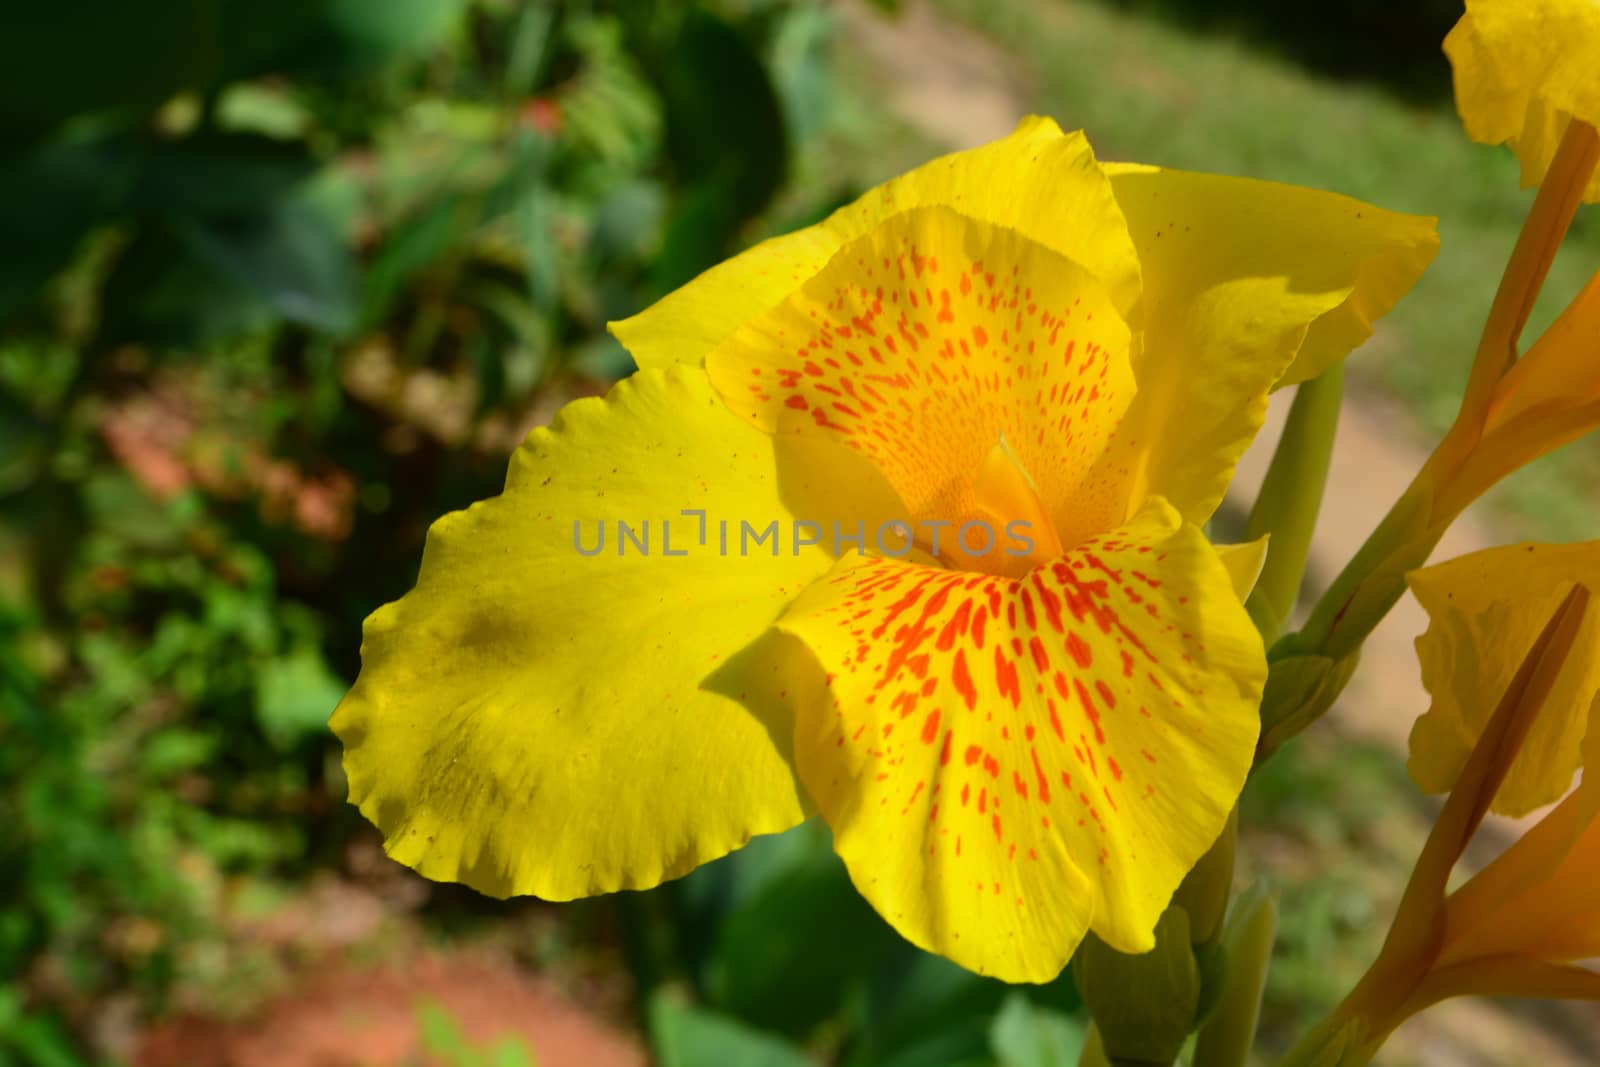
[[1009, 762], [925, 341]]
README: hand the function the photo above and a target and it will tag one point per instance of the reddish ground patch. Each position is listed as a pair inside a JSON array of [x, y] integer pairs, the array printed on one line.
[[348, 1017]]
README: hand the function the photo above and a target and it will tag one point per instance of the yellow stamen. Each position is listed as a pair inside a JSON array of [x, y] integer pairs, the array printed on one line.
[[1009, 501]]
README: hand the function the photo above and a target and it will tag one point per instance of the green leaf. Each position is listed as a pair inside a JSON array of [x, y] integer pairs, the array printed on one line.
[[160, 293], [220, 174], [765, 966], [531, 42], [413, 246], [723, 114], [686, 1036], [1026, 1035], [1144, 1005], [922, 1009], [698, 234], [802, 68], [295, 694], [49, 200], [288, 255], [726, 138], [328, 38], [200, 278]]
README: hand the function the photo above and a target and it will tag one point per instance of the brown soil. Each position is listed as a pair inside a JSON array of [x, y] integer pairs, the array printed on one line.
[[348, 1016]]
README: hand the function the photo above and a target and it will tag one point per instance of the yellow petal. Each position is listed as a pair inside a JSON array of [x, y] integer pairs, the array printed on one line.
[[533, 719], [1010, 762], [1038, 181], [1485, 611], [924, 343], [1248, 285], [1523, 70], [1244, 562]]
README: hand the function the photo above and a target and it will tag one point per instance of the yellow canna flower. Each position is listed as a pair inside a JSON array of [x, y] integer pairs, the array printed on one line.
[[1546, 399], [1512, 928], [1484, 609], [1518, 927], [1011, 747], [1524, 72], [1540, 899]]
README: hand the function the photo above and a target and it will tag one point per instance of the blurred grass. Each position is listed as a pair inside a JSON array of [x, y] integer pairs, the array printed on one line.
[[1148, 91], [1334, 825]]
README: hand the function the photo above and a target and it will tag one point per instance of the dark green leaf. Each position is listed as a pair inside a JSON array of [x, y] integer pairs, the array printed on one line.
[[698, 235], [289, 255], [765, 965], [923, 1009], [726, 137], [161, 293], [220, 174], [49, 199]]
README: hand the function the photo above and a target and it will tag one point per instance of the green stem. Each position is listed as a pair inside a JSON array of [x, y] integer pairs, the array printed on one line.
[[1290, 498], [1374, 579], [1225, 1039], [1094, 1049]]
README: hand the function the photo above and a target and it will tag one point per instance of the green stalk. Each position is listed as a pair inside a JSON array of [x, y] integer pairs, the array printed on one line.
[[1094, 1049], [1290, 498], [1374, 579], [1226, 1037]]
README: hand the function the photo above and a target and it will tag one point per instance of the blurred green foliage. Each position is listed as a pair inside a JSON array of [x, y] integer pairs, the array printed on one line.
[[283, 282], [443, 1040]]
